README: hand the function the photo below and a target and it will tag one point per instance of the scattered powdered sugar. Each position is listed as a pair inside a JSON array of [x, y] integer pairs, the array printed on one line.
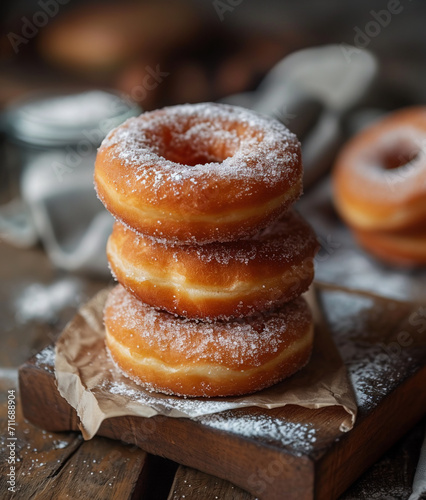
[[217, 413], [373, 372], [46, 357], [300, 437], [390, 492], [167, 404], [187, 145], [372, 377], [43, 302], [60, 445], [349, 266]]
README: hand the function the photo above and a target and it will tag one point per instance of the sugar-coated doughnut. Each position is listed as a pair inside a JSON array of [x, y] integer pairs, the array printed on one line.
[[199, 173], [192, 358], [217, 280], [380, 187], [380, 175], [403, 248]]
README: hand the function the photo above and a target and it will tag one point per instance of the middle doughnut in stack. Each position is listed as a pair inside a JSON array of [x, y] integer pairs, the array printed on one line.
[[202, 196], [217, 280]]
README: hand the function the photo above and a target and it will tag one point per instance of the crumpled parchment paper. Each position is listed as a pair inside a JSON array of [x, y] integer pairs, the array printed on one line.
[[88, 379]]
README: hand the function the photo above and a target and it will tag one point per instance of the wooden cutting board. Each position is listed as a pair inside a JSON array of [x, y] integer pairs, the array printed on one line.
[[290, 452]]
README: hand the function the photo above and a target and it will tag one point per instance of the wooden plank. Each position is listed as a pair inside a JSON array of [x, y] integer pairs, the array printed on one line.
[[39, 453], [62, 465], [190, 484], [288, 452], [390, 477], [100, 469], [371, 437]]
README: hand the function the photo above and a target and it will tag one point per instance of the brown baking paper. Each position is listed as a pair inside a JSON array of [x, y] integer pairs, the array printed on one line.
[[90, 382]]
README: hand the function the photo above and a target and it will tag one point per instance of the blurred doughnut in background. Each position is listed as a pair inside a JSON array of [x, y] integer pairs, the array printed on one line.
[[133, 45], [101, 38]]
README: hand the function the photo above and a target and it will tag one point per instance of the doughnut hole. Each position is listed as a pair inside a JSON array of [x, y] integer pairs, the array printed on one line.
[[400, 154], [199, 143], [189, 154]]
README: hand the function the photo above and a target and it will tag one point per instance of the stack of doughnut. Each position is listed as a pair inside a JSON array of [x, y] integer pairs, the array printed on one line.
[[210, 258], [380, 187]]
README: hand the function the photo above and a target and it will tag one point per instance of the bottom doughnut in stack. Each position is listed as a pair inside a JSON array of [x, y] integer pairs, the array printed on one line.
[[180, 356]]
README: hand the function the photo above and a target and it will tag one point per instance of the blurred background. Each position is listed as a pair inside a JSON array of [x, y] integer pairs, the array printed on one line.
[[71, 70], [209, 48]]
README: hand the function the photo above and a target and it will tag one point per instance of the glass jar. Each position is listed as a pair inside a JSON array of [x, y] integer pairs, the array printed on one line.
[[70, 125]]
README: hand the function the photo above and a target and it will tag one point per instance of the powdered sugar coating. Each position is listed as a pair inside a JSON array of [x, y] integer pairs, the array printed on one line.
[[227, 141], [380, 181], [404, 143], [238, 343], [199, 173], [285, 240]]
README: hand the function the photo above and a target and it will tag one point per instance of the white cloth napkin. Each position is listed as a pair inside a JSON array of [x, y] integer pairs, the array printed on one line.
[[63, 213]]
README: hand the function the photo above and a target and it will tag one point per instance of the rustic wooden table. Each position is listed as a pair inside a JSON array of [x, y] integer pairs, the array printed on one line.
[[36, 301]]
